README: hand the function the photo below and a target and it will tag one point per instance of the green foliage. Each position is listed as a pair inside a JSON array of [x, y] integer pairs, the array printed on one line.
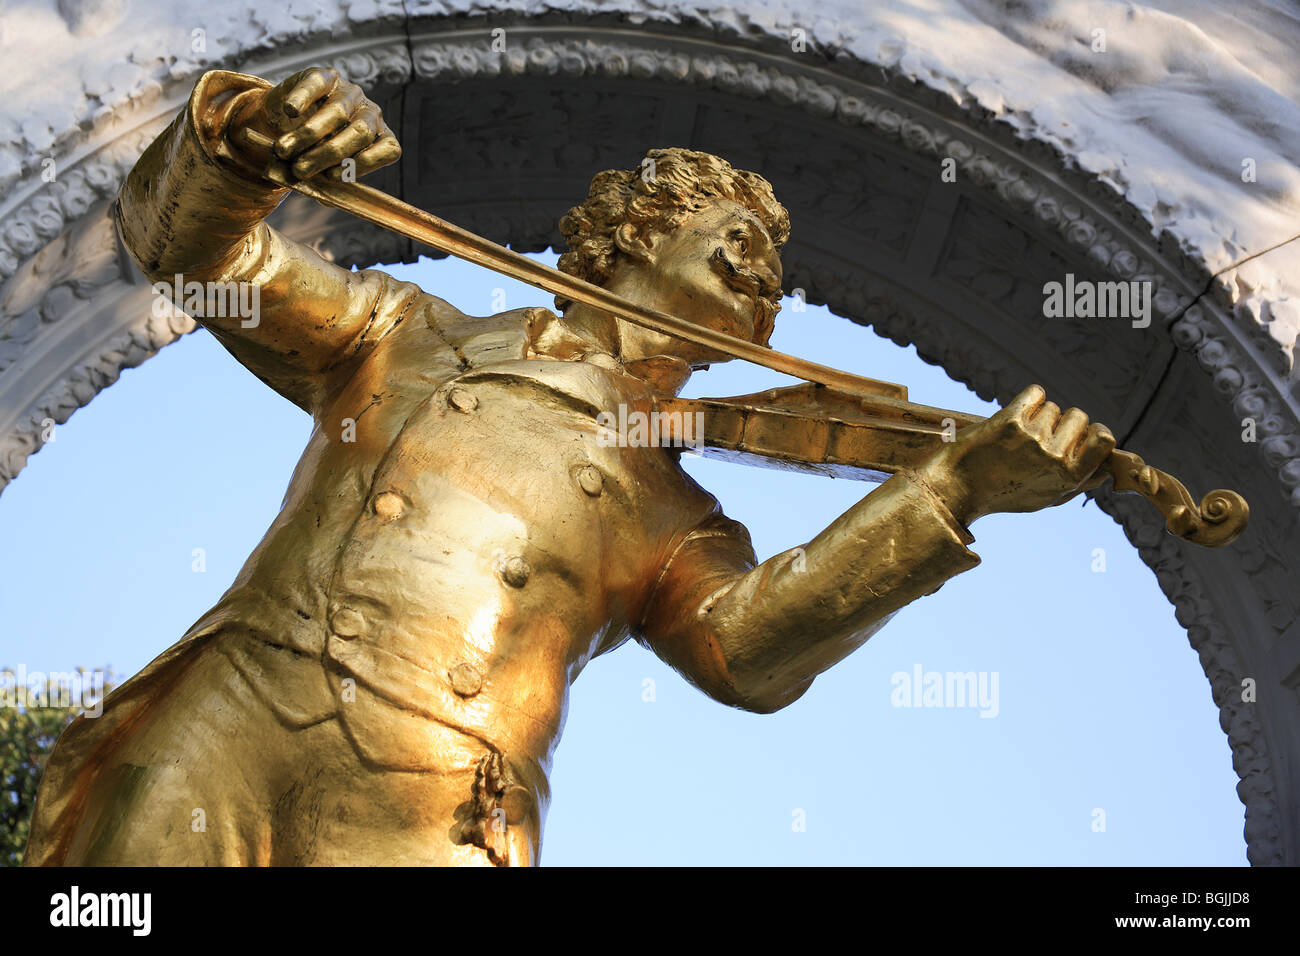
[[29, 726]]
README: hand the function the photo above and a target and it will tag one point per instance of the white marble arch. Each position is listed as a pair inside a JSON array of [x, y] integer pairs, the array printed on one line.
[[1166, 156]]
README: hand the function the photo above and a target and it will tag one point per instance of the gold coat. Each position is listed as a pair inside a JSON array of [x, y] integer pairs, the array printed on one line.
[[455, 545]]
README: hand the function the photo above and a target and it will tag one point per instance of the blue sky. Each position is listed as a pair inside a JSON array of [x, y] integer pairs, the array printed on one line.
[[1101, 702]]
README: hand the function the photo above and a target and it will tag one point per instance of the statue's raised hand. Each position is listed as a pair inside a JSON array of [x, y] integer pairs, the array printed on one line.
[[1028, 456], [315, 123]]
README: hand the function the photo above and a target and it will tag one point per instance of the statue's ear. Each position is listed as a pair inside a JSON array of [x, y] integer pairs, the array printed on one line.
[[632, 243]]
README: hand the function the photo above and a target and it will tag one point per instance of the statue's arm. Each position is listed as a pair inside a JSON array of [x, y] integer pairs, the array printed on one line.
[[193, 207], [755, 635]]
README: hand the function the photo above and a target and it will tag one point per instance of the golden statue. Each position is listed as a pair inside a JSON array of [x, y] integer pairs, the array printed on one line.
[[387, 679]]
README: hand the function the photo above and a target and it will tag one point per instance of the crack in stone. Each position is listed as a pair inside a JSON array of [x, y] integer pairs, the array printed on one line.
[[1122, 440]]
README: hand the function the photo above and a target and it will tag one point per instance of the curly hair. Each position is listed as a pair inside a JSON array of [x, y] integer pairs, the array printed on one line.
[[668, 186]]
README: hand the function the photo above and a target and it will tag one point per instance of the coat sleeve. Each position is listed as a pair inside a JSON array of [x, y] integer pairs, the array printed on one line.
[[191, 217], [755, 635]]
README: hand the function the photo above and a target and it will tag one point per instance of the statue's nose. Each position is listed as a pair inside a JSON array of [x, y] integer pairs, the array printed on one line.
[[769, 276]]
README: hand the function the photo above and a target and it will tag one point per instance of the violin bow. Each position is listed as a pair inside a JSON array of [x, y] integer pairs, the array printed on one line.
[[1217, 520]]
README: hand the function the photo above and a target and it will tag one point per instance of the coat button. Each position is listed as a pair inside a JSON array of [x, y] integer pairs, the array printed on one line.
[[388, 505], [515, 572], [465, 680], [591, 481], [347, 622], [462, 400]]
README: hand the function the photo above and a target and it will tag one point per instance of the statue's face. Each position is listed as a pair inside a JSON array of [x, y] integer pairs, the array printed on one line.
[[715, 270]]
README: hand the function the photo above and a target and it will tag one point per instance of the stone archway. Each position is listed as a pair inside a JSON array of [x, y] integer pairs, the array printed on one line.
[[851, 120]]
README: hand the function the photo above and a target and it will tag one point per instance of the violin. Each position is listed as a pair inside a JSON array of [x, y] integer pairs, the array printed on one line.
[[819, 430], [836, 423]]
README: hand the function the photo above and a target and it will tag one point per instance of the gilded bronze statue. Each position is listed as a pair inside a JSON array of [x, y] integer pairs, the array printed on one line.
[[386, 680]]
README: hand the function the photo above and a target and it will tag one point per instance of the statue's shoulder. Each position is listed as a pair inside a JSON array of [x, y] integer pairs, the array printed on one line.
[[483, 340]]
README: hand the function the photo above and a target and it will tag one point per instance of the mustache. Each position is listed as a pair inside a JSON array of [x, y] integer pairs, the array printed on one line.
[[767, 300], [743, 274]]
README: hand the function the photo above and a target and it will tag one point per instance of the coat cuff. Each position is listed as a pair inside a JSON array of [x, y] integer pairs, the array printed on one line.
[[188, 204], [930, 519], [940, 506]]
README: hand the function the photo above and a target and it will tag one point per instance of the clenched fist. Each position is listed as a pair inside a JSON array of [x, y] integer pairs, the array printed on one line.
[[1026, 457], [312, 123]]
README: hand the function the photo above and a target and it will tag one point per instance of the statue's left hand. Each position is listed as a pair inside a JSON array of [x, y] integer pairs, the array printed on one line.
[[320, 124], [1028, 456]]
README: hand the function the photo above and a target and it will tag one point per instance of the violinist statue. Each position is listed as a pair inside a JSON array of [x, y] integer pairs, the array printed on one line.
[[387, 678]]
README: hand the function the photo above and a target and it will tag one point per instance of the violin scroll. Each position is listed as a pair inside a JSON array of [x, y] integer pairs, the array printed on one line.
[[1219, 519]]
